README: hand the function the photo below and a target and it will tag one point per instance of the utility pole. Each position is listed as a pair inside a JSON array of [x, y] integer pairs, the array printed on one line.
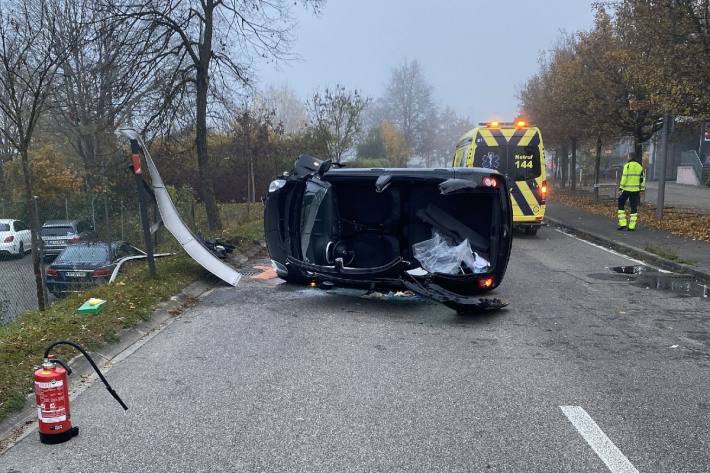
[[662, 163], [142, 204]]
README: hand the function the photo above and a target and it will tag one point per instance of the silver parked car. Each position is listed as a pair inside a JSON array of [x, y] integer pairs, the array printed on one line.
[[57, 234]]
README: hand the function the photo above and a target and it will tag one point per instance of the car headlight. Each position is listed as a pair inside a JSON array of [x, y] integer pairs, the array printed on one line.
[[276, 185]]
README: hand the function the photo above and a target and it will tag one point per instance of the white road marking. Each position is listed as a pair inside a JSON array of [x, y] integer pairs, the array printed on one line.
[[600, 443], [613, 252]]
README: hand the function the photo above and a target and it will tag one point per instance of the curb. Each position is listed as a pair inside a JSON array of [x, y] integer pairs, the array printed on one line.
[[630, 250]]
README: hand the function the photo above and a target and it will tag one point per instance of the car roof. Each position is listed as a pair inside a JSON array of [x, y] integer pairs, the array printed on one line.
[[61, 223]]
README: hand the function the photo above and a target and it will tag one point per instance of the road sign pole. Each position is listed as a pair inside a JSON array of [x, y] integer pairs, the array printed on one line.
[[662, 169]]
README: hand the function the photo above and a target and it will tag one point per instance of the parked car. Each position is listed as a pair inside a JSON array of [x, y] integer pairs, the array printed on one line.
[[57, 234], [445, 234], [15, 238], [87, 264]]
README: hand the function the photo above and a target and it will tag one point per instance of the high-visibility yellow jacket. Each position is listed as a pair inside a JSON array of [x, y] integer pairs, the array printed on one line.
[[632, 178]]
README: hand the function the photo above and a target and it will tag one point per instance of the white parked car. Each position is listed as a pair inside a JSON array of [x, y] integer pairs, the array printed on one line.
[[15, 238]]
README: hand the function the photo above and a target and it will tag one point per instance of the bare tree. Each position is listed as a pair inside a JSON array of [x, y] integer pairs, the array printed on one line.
[[216, 40], [107, 79], [409, 105], [29, 60], [336, 117]]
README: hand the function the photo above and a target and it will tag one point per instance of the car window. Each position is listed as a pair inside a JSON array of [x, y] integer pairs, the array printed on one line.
[[62, 231], [92, 254], [20, 226], [4, 227]]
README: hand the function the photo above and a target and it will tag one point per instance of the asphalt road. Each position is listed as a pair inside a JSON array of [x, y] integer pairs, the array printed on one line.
[[584, 372], [17, 286]]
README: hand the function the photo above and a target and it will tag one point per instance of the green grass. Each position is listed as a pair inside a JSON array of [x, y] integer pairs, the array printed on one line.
[[667, 254]]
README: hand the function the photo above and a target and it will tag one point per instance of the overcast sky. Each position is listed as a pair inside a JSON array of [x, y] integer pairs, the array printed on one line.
[[475, 53]]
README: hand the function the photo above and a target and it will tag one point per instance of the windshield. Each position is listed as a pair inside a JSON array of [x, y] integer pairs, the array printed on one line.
[[4, 227], [313, 223], [92, 254], [57, 231]]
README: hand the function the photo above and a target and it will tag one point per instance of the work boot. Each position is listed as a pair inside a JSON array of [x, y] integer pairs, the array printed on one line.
[[632, 222], [621, 214]]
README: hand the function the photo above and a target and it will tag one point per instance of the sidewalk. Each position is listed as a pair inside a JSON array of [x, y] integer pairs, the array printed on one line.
[[661, 248], [676, 196]]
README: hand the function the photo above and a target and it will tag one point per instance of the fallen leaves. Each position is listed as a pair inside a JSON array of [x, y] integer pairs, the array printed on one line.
[[681, 222]]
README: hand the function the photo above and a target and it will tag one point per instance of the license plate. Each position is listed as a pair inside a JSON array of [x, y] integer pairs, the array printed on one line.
[[56, 242], [75, 274]]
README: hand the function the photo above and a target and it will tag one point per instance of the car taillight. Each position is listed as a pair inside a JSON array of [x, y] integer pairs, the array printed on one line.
[[101, 272], [489, 181], [10, 239], [74, 239], [52, 272], [543, 190], [486, 282]]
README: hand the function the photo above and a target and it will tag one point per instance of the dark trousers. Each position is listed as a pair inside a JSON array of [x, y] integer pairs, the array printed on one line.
[[633, 198]]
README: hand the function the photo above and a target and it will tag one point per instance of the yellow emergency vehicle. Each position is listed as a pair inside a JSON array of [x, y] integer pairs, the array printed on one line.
[[514, 149]]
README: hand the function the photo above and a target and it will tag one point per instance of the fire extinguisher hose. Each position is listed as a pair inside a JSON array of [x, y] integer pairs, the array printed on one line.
[[93, 365]]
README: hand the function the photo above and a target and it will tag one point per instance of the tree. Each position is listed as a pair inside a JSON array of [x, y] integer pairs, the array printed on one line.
[[409, 106], [669, 46], [335, 114], [396, 147], [215, 40], [288, 109], [29, 60], [105, 80]]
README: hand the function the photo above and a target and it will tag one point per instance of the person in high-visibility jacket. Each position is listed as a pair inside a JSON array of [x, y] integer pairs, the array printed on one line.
[[631, 185]]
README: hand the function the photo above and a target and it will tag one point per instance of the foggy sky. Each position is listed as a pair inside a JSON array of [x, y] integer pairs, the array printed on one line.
[[475, 53]]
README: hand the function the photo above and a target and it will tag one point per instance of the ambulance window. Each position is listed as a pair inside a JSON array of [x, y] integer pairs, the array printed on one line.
[[489, 157], [525, 162]]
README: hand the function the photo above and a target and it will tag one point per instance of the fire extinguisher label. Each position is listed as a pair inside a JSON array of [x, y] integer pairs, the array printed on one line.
[[51, 401]]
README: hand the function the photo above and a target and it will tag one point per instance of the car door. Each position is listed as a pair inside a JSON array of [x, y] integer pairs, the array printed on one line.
[[23, 233]]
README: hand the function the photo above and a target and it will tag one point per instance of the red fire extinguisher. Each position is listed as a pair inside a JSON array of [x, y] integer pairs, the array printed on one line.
[[51, 382]]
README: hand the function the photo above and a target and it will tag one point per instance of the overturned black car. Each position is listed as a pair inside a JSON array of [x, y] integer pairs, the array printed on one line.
[[445, 234]]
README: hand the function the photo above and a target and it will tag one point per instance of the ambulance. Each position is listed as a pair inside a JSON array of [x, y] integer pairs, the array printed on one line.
[[515, 150]]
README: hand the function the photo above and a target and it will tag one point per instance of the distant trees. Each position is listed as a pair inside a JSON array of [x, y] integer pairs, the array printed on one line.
[[407, 107]]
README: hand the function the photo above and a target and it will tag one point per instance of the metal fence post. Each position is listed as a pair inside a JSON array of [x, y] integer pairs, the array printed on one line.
[[66, 207], [122, 232]]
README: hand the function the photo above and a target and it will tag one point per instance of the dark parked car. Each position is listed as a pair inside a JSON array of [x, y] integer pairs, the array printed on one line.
[[87, 264], [57, 234], [442, 233]]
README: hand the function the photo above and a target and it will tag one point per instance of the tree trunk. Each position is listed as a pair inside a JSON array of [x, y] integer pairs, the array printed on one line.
[[34, 228], [564, 164], [206, 185], [573, 167], [597, 165]]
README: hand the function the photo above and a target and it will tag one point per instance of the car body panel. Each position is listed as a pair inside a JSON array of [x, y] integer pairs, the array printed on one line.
[[57, 234], [353, 227], [19, 235]]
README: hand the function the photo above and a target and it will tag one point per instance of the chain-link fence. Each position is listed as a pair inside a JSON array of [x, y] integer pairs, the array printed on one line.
[[104, 216]]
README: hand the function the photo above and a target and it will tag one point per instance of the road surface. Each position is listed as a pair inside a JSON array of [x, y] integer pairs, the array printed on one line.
[[584, 372]]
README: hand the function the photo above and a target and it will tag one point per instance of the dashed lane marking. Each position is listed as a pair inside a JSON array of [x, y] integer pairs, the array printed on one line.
[[597, 439]]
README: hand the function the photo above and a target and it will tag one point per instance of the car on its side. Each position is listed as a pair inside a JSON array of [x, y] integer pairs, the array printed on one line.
[[15, 238], [57, 234], [392, 229], [82, 265]]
